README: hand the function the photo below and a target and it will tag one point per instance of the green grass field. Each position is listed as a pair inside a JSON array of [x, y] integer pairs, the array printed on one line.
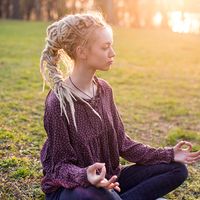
[[156, 82]]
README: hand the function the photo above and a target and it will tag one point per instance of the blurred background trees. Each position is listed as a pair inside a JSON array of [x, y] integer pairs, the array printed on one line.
[[131, 13]]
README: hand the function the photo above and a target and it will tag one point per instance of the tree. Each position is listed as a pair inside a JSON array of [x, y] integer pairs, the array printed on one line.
[[37, 7], [6, 11], [107, 7], [16, 9]]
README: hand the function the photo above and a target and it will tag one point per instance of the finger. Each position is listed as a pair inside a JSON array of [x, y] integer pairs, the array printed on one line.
[[193, 158], [194, 154], [95, 166], [190, 159], [189, 162], [189, 156], [181, 143], [117, 188], [112, 185], [186, 162], [103, 173], [104, 183], [111, 180], [101, 183], [189, 144]]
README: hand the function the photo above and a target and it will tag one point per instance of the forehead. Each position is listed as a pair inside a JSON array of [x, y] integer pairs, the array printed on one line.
[[103, 35]]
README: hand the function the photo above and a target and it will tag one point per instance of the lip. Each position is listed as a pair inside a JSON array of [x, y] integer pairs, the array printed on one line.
[[110, 62]]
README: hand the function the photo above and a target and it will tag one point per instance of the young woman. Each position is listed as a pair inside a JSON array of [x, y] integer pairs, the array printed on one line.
[[85, 134]]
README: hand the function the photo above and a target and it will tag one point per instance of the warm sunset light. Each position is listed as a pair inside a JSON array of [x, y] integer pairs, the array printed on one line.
[[100, 99], [157, 19], [184, 22], [181, 16]]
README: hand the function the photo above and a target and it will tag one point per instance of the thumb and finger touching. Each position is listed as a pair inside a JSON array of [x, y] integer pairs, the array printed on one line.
[[184, 143]]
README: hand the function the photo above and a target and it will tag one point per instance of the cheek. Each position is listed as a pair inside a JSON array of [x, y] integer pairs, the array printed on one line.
[[99, 56]]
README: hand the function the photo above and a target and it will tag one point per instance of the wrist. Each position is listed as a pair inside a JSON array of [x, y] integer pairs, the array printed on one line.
[[170, 153]]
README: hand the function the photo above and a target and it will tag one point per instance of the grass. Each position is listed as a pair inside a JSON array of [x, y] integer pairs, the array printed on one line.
[[155, 80]]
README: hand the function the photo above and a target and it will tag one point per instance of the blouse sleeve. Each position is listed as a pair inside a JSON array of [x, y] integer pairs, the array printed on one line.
[[58, 156], [134, 151]]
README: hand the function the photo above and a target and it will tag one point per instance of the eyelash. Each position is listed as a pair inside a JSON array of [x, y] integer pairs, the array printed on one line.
[[105, 48]]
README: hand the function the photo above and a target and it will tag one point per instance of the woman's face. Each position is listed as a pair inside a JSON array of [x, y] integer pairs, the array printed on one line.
[[100, 54]]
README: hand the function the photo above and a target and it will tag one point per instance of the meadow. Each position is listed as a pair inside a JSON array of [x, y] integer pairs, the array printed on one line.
[[156, 83]]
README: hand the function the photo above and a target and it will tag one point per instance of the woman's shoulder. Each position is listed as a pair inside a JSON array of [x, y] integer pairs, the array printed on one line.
[[51, 101]]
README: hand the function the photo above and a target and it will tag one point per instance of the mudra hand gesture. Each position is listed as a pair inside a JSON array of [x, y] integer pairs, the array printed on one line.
[[181, 154], [100, 180], [184, 155]]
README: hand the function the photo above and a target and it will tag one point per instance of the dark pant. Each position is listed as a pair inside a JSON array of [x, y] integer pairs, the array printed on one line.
[[137, 182]]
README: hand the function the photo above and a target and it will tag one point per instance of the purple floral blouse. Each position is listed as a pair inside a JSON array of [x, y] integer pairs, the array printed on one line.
[[67, 153]]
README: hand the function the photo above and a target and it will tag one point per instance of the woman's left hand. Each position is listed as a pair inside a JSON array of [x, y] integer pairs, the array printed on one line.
[[184, 155]]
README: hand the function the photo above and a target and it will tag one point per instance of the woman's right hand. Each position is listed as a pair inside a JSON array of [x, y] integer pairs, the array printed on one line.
[[99, 180]]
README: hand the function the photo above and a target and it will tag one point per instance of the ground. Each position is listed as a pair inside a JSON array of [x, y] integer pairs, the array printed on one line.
[[156, 83]]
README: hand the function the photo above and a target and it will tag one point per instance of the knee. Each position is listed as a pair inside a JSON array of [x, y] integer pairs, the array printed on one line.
[[182, 172]]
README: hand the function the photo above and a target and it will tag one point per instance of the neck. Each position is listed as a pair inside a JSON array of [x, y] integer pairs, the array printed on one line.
[[82, 76]]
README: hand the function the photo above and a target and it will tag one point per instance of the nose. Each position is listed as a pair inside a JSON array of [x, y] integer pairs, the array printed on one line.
[[112, 53]]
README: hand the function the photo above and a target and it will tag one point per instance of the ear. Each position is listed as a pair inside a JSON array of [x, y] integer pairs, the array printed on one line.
[[81, 52]]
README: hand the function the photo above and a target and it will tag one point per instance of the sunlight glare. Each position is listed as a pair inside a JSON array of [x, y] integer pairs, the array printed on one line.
[[157, 19], [184, 22]]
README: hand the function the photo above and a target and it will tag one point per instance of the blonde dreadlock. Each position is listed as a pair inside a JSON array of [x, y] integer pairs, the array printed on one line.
[[62, 39]]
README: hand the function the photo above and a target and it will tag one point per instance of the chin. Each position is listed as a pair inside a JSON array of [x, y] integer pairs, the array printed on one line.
[[105, 68]]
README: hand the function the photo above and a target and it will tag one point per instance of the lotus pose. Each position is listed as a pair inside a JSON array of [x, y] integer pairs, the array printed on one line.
[[85, 133]]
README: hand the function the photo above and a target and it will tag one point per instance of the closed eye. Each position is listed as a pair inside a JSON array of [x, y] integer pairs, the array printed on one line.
[[107, 46]]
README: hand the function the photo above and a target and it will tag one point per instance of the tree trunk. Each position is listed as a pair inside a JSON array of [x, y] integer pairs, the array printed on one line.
[[1, 6], [15, 9], [6, 5], [106, 7], [38, 9], [49, 8]]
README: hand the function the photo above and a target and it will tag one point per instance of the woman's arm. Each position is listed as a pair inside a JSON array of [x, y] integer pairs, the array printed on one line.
[[58, 156], [134, 151]]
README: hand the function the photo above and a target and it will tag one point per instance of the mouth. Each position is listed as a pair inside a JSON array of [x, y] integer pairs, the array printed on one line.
[[110, 62]]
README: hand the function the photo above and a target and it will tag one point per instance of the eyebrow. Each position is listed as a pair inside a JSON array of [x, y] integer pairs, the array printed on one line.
[[108, 43]]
